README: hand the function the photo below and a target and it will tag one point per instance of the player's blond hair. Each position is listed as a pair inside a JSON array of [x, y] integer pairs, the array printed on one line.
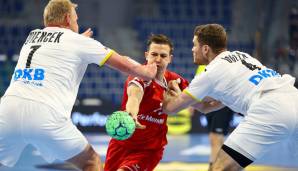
[[55, 11]]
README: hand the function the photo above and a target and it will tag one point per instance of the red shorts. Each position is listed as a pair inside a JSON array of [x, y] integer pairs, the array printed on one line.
[[131, 160]]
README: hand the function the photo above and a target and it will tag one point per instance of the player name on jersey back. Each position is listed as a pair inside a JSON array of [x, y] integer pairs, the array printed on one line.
[[43, 36], [237, 56]]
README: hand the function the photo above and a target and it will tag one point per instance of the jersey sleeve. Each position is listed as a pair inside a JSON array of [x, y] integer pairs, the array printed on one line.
[[137, 81], [183, 84], [93, 51], [199, 87], [174, 76]]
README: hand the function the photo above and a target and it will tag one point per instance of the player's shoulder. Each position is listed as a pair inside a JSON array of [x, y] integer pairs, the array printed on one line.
[[232, 56], [220, 62], [137, 81], [170, 75], [131, 78]]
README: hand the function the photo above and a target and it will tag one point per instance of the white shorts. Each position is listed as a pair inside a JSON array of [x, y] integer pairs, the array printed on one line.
[[24, 122], [271, 120]]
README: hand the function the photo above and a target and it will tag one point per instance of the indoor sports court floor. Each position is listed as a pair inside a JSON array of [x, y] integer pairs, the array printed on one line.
[[184, 153]]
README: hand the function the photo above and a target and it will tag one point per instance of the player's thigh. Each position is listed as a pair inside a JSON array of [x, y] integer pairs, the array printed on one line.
[[86, 158], [115, 156], [10, 150], [267, 125], [62, 143], [11, 139], [142, 160], [55, 137]]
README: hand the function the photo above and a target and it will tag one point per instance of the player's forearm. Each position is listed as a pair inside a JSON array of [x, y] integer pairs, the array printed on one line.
[[172, 105], [132, 106], [170, 109], [131, 67], [207, 107]]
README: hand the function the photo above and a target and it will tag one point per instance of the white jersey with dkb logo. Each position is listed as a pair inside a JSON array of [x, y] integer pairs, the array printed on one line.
[[51, 66], [234, 78]]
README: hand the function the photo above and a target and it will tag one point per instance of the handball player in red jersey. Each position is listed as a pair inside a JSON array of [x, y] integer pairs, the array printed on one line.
[[142, 99]]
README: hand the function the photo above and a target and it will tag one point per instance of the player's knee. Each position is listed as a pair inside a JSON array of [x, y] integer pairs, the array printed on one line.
[[229, 160], [87, 158], [92, 158], [222, 165]]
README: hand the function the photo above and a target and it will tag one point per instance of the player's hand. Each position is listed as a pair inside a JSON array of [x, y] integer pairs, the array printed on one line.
[[168, 96], [151, 70], [173, 87], [88, 33], [138, 124]]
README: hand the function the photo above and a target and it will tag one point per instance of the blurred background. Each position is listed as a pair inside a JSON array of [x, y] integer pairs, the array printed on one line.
[[266, 29]]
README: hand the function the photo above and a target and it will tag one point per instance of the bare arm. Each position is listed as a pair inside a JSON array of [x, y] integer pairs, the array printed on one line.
[[131, 67], [135, 95], [173, 103], [207, 107], [175, 100]]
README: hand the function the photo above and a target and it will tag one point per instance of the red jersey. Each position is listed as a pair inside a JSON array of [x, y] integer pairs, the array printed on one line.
[[150, 112]]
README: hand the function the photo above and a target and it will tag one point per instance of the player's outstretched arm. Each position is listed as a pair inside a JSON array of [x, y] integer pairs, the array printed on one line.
[[135, 96], [208, 106], [131, 67], [173, 102]]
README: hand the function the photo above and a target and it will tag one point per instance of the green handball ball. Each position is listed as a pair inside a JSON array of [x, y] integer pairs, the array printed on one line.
[[120, 125]]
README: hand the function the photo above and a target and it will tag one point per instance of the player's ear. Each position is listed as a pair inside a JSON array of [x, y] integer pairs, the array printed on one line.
[[205, 49], [146, 55], [170, 58], [67, 19]]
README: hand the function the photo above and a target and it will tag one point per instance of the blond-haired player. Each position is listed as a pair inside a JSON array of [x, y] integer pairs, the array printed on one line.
[[36, 107]]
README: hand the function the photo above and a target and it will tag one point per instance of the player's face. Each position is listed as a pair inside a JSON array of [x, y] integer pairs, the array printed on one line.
[[159, 54], [199, 52], [73, 23]]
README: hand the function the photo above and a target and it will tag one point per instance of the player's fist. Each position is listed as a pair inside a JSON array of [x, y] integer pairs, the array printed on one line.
[[150, 70], [88, 33], [173, 87]]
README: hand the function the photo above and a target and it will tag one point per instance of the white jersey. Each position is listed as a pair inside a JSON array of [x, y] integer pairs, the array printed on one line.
[[52, 64], [235, 78]]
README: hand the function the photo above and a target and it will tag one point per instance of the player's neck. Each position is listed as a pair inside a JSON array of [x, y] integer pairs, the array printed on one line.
[[159, 75], [213, 55], [161, 81], [57, 25]]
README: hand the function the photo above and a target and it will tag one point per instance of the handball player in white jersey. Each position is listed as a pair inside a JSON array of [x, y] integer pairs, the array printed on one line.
[[37, 105], [268, 100]]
